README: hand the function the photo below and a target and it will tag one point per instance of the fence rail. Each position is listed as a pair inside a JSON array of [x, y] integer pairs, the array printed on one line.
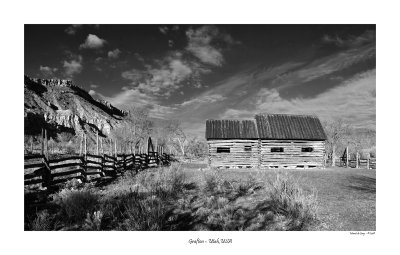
[[39, 170], [369, 163]]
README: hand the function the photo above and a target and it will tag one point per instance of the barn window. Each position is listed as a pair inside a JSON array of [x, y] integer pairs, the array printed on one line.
[[247, 148], [223, 150], [307, 149], [277, 149]]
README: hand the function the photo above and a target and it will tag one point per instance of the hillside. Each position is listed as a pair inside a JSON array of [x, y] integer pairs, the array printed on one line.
[[59, 105]]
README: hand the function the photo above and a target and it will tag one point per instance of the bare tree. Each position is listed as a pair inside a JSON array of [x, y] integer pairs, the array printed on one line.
[[196, 148], [336, 131], [135, 129], [177, 136]]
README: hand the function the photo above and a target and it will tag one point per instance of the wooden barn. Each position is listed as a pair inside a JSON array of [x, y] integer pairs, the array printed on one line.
[[269, 141]]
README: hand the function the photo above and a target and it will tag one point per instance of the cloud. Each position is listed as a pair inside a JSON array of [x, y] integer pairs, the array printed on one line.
[[93, 42], [201, 44], [354, 101], [114, 53], [295, 74], [180, 67], [163, 29], [129, 97], [94, 86], [47, 71], [163, 79], [260, 89], [73, 66], [139, 57], [204, 99], [71, 30], [368, 36]]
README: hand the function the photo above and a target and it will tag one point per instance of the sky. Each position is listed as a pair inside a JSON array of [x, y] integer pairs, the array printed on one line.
[[197, 72]]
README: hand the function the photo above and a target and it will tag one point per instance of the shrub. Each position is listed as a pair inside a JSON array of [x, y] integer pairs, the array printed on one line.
[[93, 222], [288, 199], [142, 201], [144, 213], [42, 222], [76, 203], [213, 181]]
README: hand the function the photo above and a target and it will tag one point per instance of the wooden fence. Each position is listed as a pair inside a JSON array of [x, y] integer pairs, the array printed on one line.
[[369, 163], [40, 170]]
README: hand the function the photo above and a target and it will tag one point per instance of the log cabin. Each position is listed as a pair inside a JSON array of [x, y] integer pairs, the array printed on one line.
[[269, 141]]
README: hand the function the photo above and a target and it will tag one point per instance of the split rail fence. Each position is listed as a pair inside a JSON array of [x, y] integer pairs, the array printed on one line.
[[39, 169]]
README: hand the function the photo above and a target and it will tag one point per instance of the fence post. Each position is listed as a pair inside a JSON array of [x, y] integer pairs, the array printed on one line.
[[115, 165], [85, 161], [101, 146], [368, 158], [347, 156], [85, 145], [42, 151], [31, 144], [357, 158], [47, 143], [258, 154], [46, 176], [124, 161], [97, 142], [115, 148], [102, 165]]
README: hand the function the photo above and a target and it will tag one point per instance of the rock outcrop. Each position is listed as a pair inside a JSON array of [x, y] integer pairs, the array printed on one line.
[[61, 105]]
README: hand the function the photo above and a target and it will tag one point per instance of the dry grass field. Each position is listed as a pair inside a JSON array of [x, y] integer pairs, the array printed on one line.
[[346, 196], [191, 197]]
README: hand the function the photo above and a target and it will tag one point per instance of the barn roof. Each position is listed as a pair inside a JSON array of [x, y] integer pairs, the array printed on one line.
[[231, 129], [294, 127], [267, 126]]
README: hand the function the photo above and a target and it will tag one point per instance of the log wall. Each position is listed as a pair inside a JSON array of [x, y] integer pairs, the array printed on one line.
[[292, 155], [237, 157], [261, 155]]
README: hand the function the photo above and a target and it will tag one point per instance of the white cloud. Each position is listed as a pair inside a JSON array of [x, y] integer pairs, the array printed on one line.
[[73, 66], [93, 42], [200, 44], [163, 80], [204, 99], [114, 53], [163, 29], [128, 97], [47, 71], [368, 36], [71, 30], [354, 101]]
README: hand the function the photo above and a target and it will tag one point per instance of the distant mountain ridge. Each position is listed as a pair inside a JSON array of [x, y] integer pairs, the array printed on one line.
[[59, 105]]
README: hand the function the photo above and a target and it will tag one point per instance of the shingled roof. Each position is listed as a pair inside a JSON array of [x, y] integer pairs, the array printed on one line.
[[269, 126], [231, 129]]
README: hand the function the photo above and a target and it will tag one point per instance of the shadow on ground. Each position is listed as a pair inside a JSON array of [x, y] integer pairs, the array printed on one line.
[[361, 183]]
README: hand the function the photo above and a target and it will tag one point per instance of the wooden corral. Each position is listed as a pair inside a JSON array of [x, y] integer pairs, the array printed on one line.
[[272, 141], [42, 171]]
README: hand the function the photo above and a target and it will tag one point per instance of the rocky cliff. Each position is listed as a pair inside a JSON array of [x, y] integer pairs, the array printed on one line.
[[59, 105]]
